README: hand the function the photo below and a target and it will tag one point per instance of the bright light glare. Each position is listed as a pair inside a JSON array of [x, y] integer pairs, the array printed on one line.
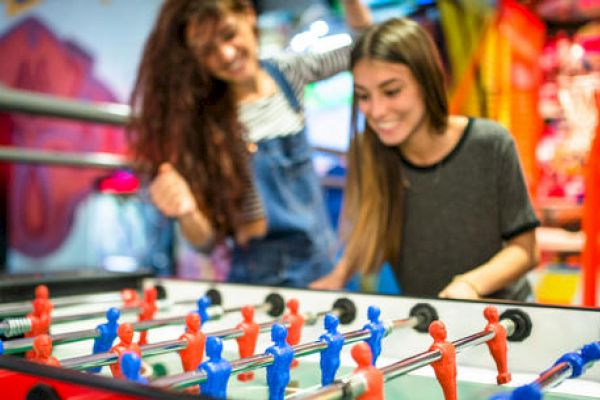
[[332, 42], [319, 28], [577, 51], [302, 41]]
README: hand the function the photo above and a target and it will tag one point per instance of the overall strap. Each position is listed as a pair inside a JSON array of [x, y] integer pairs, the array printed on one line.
[[282, 82]]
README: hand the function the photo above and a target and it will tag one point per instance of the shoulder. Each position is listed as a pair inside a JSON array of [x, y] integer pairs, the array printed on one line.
[[489, 131], [489, 135], [287, 63]]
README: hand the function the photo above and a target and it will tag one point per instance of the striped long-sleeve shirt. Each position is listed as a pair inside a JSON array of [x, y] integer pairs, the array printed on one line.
[[272, 116]]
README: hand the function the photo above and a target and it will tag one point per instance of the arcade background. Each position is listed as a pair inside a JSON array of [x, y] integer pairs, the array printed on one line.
[[534, 66]]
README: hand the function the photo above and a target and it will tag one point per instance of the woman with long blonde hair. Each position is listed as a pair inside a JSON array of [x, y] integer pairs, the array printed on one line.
[[440, 197]]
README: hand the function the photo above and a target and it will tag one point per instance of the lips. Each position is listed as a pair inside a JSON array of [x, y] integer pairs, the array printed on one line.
[[385, 127], [237, 66]]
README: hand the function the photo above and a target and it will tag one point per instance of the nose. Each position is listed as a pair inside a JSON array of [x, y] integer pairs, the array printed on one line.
[[376, 108], [226, 52]]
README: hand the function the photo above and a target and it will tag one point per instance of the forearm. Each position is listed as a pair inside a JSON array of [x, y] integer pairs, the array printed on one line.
[[517, 258], [336, 279], [196, 228], [342, 270], [358, 16]]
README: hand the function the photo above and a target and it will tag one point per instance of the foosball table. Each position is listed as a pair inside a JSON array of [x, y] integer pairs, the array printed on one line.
[[175, 339]]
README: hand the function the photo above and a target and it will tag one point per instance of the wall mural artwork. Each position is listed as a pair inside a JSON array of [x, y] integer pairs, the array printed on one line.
[[42, 200], [14, 7]]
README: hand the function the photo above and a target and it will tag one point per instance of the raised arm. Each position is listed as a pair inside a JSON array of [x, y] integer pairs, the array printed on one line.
[[358, 16]]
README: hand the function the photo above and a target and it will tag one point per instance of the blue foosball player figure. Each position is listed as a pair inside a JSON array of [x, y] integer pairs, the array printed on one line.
[[590, 353], [530, 391], [278, 373], [217, 369], [131, 365], [108, 334], [330, 357], [377, 331], [203, 303]]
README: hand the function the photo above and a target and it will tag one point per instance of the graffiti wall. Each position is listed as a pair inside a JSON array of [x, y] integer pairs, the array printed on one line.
[[53, 217]]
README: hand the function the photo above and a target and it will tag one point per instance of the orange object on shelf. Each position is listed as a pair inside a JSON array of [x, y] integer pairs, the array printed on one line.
[[590, 221]]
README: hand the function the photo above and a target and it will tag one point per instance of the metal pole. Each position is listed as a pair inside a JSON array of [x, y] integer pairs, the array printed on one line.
[[101, 359], [22, 345], [554, 375], [263, 360], [42, 104], [16, 326], [24, 308], [72, 159], [355, 385]]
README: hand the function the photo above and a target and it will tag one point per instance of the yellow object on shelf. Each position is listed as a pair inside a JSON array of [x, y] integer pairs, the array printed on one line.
[[558, 286]]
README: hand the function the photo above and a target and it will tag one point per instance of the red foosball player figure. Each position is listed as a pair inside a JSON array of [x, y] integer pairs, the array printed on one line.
[[192, 355], [361, 353], [445, 368], [130, 298], [296, 321], [497, 345], [42, 295], [247, 342], [42, 349], [148, 309], [125, 333], [39, 317]]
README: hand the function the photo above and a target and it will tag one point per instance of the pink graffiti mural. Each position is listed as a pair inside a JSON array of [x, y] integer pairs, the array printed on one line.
[[42, 199]]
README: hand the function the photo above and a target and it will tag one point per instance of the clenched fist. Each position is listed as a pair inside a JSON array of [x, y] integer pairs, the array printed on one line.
[[171, 194]]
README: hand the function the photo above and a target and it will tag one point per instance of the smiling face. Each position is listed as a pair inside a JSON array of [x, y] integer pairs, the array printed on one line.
[[390, 98], [227, 47]]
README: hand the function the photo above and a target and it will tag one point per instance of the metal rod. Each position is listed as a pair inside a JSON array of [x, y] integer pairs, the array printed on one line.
[[7, 326], [60, 319], [16, 326], [257, 307], [93, 160], [22, 345], [554, 375], [24, 308], [356, 384], [186, 379], [114, 298], [64, 158], [101, 359], [42, 104]]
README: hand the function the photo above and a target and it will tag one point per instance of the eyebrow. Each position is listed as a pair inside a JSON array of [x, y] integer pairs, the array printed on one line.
[[381, 85]]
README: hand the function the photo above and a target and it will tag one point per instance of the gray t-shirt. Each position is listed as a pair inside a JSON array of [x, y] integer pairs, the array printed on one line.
[[460, 211]]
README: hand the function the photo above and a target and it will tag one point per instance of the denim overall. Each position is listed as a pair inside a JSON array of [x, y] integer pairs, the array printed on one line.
[[300, 245]]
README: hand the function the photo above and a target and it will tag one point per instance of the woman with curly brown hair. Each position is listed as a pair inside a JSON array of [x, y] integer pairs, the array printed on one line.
[[224, 134]]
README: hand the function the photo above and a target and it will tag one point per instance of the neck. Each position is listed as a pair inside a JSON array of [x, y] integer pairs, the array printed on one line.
[[251, 89], [425, 146], [422, 145]]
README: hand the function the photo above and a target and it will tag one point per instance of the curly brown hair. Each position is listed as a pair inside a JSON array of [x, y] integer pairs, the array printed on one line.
[[183, 115]]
